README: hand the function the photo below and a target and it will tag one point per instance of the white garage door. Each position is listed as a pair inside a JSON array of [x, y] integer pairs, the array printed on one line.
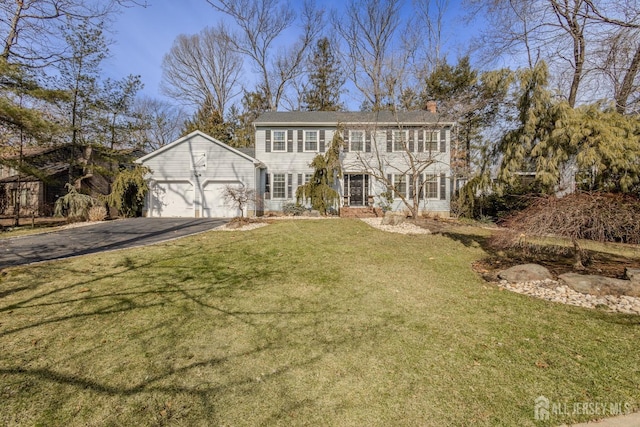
[[214, 205], [172, 199]]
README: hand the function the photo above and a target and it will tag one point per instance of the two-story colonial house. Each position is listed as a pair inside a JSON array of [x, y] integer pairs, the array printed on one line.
[[388, 159], [381, 154]]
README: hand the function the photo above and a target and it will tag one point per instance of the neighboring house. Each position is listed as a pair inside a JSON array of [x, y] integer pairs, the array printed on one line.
[[188, 176], [35, 180]]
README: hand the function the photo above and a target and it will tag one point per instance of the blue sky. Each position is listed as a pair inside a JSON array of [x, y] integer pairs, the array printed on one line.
[[143, 36]]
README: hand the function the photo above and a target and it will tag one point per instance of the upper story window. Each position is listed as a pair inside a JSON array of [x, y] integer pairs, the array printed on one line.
[[400, 138], [310, 140], [279, 140], [431, 140], [356, 139]]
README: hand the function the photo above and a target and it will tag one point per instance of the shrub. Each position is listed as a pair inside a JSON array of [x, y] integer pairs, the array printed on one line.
[[73, 205], [603, 217], [97, 213], [294, 209]]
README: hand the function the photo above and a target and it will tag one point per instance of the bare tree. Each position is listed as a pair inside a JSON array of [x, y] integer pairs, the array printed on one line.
[[30, 29], [239, 196], [373, 58], [261, 24], [160, 123], [404, 162], [203, 67], [585, 42]]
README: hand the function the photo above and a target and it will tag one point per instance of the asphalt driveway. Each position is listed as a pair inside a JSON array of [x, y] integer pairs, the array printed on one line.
[[105, 236]]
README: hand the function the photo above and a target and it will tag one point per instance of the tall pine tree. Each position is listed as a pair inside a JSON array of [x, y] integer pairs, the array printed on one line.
[[325, 80]]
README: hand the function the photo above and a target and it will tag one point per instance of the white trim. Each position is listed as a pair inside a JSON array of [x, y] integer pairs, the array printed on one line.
[[363, 142], [273, 141], [304, 140]]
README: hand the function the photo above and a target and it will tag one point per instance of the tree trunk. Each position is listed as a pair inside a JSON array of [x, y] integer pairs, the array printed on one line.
[[626, 89], [577, 254]]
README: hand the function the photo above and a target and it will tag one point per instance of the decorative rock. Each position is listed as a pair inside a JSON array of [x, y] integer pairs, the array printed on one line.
[[525, 273], [393, 218], [311, 214], [600, 285], [632, 274]]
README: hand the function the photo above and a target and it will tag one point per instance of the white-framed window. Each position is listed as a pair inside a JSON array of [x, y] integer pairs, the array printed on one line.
[[310, 140], [400, 185], [431, 140], [356, 139], [307, 177], [279, 140], [431, 186], [279, 186], [400, 138]]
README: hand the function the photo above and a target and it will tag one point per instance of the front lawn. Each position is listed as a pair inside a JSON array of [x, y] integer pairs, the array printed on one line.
[[299, 322]]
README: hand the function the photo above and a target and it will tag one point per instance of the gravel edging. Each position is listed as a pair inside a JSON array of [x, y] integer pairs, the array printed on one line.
[[402, 228], [556, 291]]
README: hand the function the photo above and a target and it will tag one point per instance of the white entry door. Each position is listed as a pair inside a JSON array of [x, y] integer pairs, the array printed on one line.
[[172, 199]]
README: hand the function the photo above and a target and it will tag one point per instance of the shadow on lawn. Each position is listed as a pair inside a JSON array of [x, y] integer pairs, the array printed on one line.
[[180, 285]]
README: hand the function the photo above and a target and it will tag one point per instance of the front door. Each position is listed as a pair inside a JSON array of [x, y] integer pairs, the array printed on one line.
[[356, 188]]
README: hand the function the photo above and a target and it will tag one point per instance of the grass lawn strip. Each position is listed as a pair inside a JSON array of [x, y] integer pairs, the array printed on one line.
[[301, 322]]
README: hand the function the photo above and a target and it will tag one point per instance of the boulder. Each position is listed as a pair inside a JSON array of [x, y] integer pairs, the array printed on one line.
[[525, 273], [600, 285], [393, 218], [632, 274]]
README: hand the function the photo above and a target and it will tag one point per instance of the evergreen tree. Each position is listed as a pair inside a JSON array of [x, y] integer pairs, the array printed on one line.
[[327, 169], [594, 142], [325, 80], [241, 124], [208, 120]]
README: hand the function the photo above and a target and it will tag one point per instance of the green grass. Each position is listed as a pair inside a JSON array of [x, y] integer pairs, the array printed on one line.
[[297, 323]]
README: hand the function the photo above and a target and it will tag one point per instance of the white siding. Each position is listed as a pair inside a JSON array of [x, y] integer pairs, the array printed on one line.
[[297, 163], [199, 161]]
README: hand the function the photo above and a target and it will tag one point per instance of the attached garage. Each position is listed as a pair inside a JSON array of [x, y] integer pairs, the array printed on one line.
[[187, 178], [171, 199]]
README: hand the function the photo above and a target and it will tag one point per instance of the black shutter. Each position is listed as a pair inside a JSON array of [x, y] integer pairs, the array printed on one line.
[[443, 187], [322, 147], [411, 140], [390, 181], [345, 138], [389, 141], [367, 142], [420, 140], [300, 142], [290, 186], [300, 182], [267, 141], [420, 187], [443, 141], [290, 143], [267, 187]]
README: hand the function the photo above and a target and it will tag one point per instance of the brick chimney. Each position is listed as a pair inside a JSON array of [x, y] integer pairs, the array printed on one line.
[[431, 106]]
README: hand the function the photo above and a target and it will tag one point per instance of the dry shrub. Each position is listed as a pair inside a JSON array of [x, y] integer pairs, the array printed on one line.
[[97, 213], [603, 217]]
